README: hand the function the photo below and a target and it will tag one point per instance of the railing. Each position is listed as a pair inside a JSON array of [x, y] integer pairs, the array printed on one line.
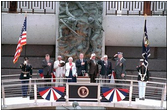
[[124, 8], [112, 7], [36, 75], [135, 8], [31, 6], [159, 7], [156, 79], [12, 87]]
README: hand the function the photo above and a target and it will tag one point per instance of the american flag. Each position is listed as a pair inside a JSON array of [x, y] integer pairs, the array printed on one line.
[[21, 41], [145, 46]]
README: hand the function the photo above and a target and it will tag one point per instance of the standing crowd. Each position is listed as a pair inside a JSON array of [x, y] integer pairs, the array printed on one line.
[[92, 68], [82, 67]]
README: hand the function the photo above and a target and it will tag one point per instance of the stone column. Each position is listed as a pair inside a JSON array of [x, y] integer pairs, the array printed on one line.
[[56, 25]]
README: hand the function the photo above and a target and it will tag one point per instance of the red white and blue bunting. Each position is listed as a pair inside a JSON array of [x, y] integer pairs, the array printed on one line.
[[114, 94], [51, 93]]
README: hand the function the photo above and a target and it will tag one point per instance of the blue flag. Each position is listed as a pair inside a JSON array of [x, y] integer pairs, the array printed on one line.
[[145, 46]]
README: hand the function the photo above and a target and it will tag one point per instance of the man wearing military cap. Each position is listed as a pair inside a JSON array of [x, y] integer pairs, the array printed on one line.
[[93, 68], [26, 73], [119, 69], [106, 68]]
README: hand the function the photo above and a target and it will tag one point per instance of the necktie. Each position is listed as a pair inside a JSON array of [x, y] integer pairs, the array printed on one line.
[[118, 61]]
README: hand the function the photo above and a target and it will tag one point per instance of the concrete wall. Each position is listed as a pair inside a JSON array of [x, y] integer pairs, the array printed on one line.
[[40, 28], [119, 30], [36, 54], [128, 30]]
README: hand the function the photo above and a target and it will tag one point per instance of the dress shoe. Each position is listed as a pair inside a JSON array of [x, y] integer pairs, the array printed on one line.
[[140, 99], [143, 98], [24, 96]]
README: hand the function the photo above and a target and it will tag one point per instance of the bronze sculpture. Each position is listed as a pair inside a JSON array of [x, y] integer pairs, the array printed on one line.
[[80, 29]]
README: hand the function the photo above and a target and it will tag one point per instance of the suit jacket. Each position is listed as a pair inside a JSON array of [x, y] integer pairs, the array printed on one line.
[[67, 68], [81, 67], [141, 69], [119, 68], [105, 69], [47, 70], [93, 68]]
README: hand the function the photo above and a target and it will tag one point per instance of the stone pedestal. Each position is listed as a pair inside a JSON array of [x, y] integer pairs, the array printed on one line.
[[83, 79]]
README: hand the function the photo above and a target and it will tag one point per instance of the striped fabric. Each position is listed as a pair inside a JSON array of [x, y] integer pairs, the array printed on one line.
[[21, 41]]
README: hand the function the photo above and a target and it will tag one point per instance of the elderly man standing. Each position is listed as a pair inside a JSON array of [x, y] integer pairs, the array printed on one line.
[[59, 66], [93, 71], [81, 65], [47, 65], [119, 69], [106, 68]]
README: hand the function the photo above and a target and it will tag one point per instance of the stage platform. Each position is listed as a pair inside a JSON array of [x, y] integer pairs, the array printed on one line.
[[19, 103]]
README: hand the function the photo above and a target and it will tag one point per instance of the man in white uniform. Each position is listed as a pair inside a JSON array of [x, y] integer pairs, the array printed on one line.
[[59, 71]]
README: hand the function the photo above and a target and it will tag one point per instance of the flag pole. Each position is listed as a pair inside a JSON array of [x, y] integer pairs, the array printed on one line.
[[145, 16], [26, 26]]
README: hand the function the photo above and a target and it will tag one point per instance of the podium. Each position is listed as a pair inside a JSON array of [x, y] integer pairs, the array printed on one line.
[[83, 79]]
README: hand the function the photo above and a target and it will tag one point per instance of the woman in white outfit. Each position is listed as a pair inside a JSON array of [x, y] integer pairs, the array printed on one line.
[[71, 70]]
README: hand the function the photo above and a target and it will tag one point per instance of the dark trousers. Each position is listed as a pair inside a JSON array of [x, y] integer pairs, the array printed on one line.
[[82, 73], [24, 87], [92, 78], [71, 76], [48, 80]]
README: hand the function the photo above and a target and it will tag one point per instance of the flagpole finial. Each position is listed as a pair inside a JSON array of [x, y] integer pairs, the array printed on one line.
[[25, 13], [145, 15]]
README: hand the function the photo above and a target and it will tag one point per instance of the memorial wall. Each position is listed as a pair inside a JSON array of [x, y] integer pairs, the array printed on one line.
[[121, 33]]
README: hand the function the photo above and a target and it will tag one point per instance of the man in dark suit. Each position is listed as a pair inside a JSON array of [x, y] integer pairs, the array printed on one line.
[[81, 65], [93, 68], [106, 68], [119, 69], [47, 65]]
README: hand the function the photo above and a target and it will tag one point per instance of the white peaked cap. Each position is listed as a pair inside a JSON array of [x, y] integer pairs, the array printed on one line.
[[59, 56], [93, 55], [141, 60], [105, 56]]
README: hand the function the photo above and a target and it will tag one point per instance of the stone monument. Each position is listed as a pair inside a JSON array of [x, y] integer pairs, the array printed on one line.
[[80, 29]]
